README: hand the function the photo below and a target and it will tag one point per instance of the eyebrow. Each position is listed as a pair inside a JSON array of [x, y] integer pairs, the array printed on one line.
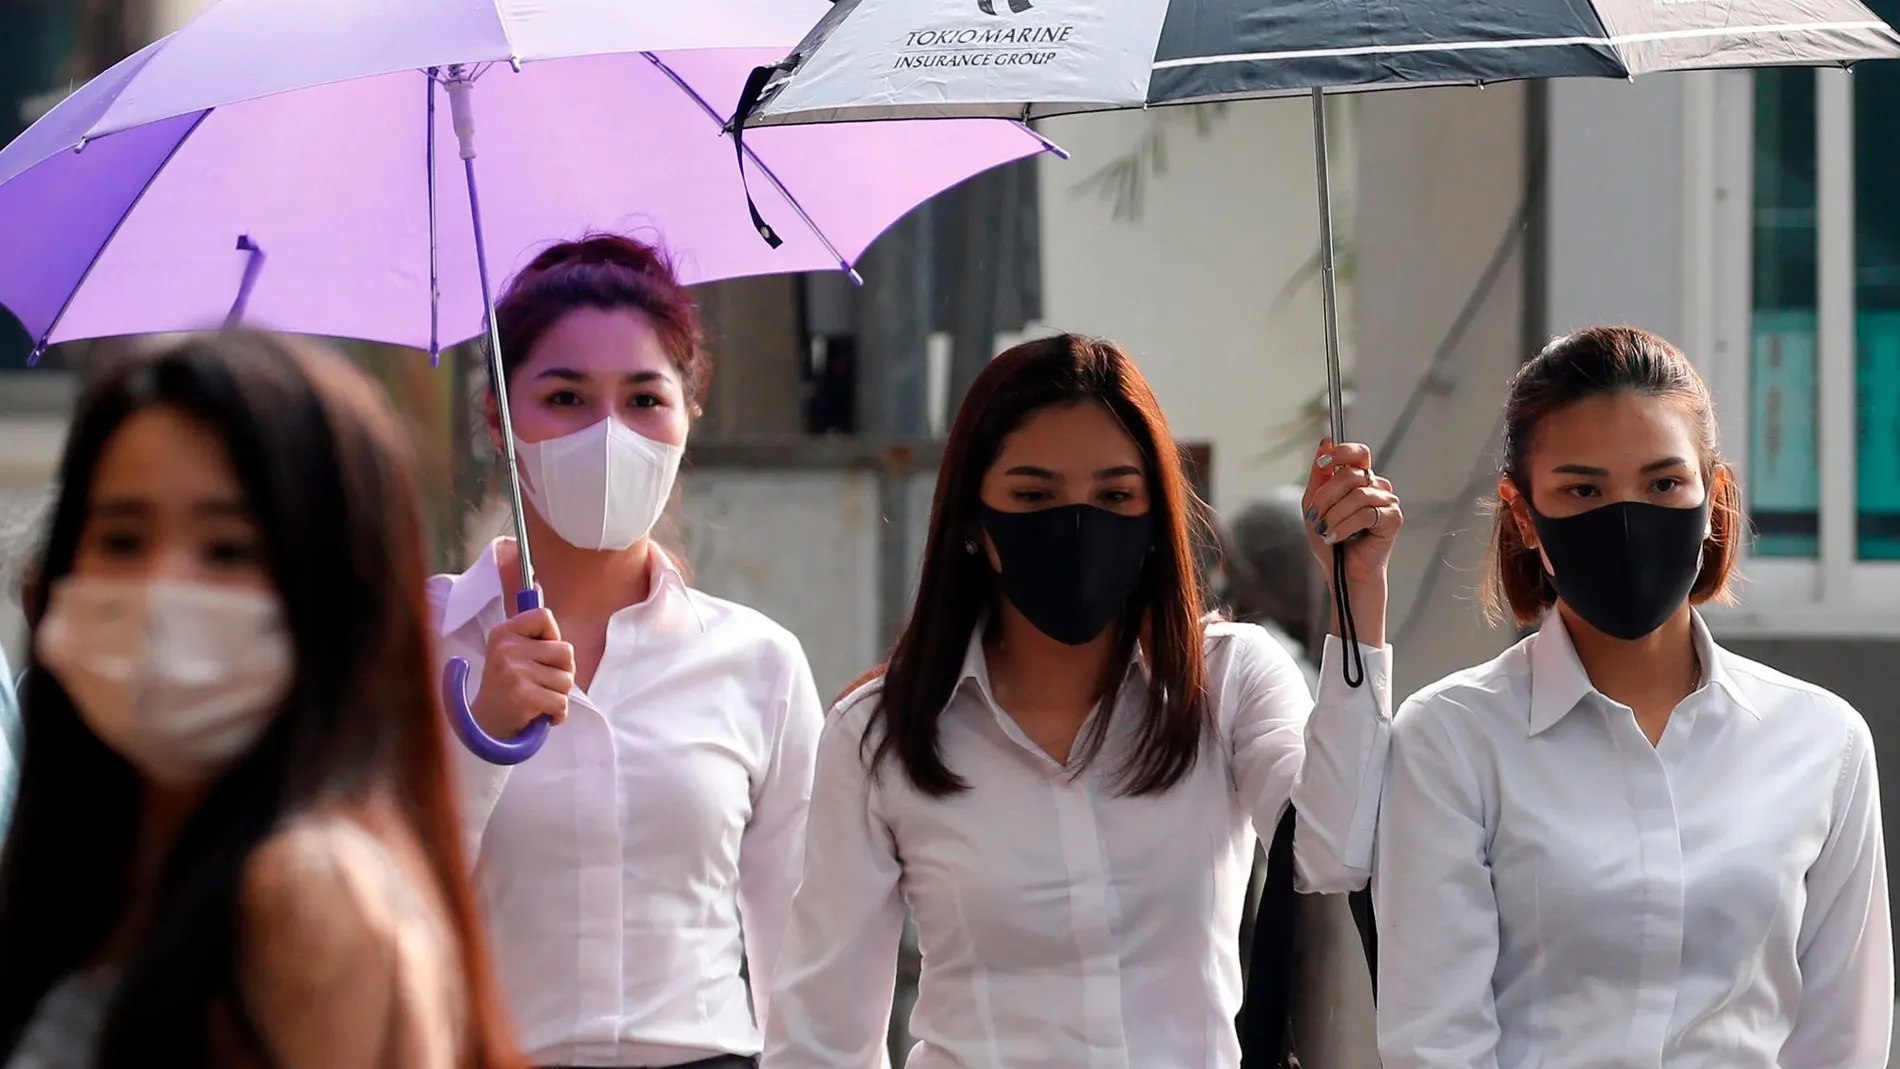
[[1035, 472], [1585, 469], [134, 507], [568, 374]]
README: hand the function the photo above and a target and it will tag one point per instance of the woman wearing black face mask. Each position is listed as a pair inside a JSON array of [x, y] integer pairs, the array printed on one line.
[[1058, 769], [1618, 843]]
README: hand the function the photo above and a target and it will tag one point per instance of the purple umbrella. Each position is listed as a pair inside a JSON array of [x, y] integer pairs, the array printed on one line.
[[276, 161]]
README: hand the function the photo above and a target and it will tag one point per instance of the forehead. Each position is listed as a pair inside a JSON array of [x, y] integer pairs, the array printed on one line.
[[1084, 436], [163, 454], [617, 341], [1616, 429]]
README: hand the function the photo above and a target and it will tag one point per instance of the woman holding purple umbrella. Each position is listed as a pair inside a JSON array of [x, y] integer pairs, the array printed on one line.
[[638, 866]]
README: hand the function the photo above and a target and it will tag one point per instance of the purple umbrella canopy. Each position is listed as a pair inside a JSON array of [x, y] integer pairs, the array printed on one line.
[[272, 159], [280, 162]]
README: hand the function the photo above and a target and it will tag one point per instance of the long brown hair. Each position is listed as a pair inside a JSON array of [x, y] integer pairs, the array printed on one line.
[[958, 587], [1589, 363], [327, 477]]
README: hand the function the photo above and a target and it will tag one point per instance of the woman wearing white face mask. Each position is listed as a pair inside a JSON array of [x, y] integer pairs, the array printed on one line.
[[234, 843], [668, 804]]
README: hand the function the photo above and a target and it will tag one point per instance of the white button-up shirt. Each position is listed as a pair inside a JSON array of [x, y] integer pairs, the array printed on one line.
[[1064, 925], [617, 864], [1553, 891]]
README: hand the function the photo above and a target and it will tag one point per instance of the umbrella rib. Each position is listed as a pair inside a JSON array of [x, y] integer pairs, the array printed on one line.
[[763, 168], [39, 348]]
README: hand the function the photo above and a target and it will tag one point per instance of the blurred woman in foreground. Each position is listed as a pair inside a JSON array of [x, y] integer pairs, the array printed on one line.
[[234, 842]]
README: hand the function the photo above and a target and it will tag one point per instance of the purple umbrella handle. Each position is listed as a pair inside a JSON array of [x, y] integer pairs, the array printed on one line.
[[462, 719]]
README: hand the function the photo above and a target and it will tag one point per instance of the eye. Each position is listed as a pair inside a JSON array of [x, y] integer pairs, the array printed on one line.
[[120, 543], [1582, 490], [1118, 497], [647, 400], [1029, 497], [565, 399], [1668, 484], [231, 553]]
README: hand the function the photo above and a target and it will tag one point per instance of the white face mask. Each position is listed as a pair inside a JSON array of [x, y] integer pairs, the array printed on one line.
[[180, 678], [602, 487]]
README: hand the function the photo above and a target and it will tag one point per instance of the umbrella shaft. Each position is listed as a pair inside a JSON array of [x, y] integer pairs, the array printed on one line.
[[498, 375], [1329, 296]]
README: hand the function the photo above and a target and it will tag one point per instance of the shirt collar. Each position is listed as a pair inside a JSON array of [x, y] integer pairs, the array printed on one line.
[[976, 666], [1559, 682], [475, 590]]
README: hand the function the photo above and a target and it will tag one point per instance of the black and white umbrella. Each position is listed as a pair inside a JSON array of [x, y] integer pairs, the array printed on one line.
[[1027, 59]]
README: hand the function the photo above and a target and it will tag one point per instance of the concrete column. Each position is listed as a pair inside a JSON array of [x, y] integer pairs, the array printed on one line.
[[1441, 191]]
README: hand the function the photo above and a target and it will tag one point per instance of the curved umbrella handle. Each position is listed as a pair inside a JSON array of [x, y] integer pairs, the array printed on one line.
[[462, 719]]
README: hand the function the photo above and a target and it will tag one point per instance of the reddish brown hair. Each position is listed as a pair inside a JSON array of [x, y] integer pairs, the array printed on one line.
[[327, 478], [957, 586], [1589, 363], [605, 272]]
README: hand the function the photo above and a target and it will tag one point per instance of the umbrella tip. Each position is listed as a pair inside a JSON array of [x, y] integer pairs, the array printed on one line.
[[39, 350], [856, 279], [514, 63]]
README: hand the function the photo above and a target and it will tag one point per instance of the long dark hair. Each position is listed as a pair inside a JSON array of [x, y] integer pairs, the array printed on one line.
[[327, 478], [957, 587]]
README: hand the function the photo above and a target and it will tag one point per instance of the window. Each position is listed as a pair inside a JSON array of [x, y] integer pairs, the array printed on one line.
[[1805, 160]]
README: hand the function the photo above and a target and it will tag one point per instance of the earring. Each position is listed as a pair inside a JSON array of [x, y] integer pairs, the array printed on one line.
[[970, 546]]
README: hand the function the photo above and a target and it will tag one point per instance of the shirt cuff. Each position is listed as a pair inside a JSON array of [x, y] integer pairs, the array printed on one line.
[[1378, 677]]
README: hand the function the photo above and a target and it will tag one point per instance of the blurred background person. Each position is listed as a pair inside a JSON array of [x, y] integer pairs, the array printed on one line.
[[1307, 967], [1267, 576], [638, 869], [234, 842]]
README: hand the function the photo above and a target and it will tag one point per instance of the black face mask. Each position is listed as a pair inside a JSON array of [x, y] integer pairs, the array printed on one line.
[[1069, 570], [1625, 568]]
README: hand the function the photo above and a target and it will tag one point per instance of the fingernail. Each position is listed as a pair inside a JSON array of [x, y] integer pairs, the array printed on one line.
[[1312, 515], [1325, 461], [1321, 528]]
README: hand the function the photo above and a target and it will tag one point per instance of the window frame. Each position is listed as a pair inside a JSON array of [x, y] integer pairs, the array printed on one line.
[[1834, 594]]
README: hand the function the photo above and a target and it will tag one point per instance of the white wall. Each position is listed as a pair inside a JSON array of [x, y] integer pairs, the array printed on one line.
[[1189, 287], [1617, 161], [1442, 183]]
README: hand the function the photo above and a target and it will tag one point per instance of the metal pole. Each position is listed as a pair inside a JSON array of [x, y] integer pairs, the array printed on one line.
[[1353, 666], [435, 285], [458, 87], [894, 320], [1329, 296]]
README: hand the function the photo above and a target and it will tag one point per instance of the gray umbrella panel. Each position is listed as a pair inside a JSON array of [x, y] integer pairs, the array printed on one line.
[[1214, 49]]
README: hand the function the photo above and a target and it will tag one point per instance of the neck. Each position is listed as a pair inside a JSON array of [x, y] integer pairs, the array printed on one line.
[[1661, 664], [1037, 671], [582, 582], [163, 812]]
